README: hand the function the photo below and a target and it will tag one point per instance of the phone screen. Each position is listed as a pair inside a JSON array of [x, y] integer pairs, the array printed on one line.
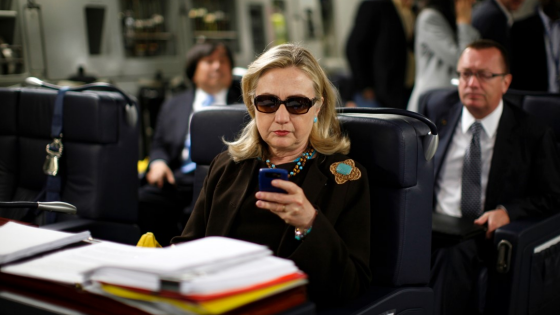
[[266, 175]]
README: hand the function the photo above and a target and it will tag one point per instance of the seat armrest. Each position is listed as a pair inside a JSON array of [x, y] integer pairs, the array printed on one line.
[[528, 232], [516, 243]]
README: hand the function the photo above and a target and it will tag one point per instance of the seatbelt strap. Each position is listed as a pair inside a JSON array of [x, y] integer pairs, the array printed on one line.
[[54, 153]]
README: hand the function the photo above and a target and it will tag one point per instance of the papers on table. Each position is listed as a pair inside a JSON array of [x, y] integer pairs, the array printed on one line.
[[200, 285], [19, 241], [212, 275], [70, 266], [207, 284], [183, 305], [203, 293]]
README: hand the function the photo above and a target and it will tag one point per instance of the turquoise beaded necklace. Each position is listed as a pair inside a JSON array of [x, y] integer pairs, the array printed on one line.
[[300, 161]]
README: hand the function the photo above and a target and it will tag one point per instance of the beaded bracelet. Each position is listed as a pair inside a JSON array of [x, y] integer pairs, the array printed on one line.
[[300, 234]]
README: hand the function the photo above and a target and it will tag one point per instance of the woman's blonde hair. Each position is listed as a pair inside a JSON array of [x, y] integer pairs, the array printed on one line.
[[326, 136]]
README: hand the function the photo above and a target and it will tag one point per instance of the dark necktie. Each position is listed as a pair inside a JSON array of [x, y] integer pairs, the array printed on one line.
[[471, 188]]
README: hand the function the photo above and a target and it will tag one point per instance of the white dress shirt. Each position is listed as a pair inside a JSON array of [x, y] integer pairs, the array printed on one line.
[[448, 183], [200, 96]]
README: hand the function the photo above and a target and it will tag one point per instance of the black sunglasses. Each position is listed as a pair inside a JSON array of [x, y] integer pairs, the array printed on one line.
[[297, 105]]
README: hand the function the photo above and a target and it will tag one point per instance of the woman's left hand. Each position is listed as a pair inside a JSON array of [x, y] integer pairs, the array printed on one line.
[[292, 207]]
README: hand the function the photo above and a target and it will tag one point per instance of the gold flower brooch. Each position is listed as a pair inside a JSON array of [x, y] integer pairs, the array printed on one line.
[[345, 171]]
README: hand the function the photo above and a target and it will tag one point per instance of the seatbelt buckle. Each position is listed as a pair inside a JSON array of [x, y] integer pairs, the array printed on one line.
[[54, 152]]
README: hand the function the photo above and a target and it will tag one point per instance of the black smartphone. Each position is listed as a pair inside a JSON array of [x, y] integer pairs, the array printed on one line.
[[266, 175]]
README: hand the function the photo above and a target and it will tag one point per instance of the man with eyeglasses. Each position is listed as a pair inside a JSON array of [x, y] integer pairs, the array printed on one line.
[[494, 164]]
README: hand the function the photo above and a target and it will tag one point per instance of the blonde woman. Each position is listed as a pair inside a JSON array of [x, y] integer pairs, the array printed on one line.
[[322, 222]]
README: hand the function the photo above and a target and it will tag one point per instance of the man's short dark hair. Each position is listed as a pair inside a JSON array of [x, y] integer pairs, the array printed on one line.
[[200, 51], [487, 44]]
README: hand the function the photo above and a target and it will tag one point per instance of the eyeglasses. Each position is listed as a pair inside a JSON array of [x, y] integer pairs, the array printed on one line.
[[297, 105], [480, 75]]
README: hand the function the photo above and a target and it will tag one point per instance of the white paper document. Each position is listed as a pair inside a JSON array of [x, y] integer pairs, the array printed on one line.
[[245, 274], [20, 241], [70, 266]]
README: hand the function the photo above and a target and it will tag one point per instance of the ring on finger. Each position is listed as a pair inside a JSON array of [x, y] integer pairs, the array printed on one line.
[[284, 208]]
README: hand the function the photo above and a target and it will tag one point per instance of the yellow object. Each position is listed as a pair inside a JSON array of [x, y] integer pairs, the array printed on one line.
[[143, 165], [148, 240], [216, 306]]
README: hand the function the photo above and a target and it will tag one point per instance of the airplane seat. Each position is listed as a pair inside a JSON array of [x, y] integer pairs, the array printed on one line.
[[528, 269], [525, 278], [206, 142], [547, 109], [391, 147], [97, 166]]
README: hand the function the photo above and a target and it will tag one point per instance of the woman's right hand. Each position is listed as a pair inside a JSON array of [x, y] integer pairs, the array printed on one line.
[[463, 11], [159, 173], [293, 207]]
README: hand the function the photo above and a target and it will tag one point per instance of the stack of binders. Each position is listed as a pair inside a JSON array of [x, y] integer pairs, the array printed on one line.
[[213, 275]]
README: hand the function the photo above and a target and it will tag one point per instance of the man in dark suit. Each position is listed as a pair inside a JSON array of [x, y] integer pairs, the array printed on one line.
[[493, 19], [514, 160], [377, 51], [536, 51], [169, 186]]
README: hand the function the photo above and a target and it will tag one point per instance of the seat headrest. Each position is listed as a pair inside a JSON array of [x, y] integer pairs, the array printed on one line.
[[213, 124], [92, 118], [546, 108], [378, 144]]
